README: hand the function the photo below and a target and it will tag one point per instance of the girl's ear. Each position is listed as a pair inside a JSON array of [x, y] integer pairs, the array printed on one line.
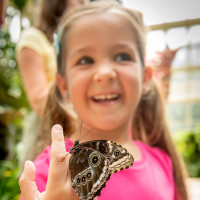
[[62, 85], [147, 76]]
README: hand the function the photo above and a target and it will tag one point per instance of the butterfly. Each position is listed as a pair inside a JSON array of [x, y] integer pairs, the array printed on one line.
[[92, 163]]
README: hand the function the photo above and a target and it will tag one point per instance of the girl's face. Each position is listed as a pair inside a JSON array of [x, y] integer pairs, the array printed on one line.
[[103, 71]]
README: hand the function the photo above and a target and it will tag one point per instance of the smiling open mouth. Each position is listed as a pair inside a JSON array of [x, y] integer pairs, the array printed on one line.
[[105, 98]]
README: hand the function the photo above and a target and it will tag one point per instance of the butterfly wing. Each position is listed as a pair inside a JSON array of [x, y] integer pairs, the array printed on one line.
[[117, 155], [89, 171]]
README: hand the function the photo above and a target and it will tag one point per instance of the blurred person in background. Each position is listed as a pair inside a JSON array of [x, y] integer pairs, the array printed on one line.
[[37, 64]]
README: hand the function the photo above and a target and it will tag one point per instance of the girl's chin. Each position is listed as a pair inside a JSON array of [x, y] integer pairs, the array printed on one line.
[[105, 122]]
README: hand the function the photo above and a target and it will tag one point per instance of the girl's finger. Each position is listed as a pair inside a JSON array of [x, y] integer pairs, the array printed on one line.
[[27, 182], [58, 165], [58, 143]]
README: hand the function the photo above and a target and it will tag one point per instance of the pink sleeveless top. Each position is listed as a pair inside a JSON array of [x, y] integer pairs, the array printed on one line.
[[149, 178]]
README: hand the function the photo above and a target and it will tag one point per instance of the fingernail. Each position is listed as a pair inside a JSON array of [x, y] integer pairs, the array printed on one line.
[[58, 128], [27, 164]]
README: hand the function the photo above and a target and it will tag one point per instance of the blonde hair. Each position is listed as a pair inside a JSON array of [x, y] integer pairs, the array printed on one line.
[[149, 124]]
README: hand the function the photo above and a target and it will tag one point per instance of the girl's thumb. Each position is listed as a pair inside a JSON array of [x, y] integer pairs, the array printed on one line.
[[27, 182]]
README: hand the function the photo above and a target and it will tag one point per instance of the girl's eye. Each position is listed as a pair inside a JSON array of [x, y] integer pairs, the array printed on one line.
[[123, 57], [85, 61]]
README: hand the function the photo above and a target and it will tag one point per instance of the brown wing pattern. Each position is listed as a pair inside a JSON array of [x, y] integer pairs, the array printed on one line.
[[92, 163]]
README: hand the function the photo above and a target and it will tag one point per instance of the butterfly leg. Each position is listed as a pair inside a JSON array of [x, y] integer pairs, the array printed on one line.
[[67, 143], [66, 156]]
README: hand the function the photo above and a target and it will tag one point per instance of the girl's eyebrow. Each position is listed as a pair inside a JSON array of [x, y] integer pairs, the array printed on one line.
[[126, 45], [80, 50]]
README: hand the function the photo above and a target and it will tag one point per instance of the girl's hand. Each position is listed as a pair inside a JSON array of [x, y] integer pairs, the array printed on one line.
[[59, 181]]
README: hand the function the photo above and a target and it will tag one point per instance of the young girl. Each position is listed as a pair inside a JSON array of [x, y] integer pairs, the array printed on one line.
[[102, 78]]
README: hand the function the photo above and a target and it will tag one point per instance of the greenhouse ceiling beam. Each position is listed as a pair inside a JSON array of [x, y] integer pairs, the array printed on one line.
[[166, 26]]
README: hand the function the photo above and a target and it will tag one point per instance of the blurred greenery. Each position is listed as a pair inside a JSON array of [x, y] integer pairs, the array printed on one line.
[[13, 107], [13, 102], [11, 89], [188, 145], [20, 4], [9, 188]]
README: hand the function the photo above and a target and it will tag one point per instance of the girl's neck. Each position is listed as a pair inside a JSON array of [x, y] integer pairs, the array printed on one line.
[[119, 135]]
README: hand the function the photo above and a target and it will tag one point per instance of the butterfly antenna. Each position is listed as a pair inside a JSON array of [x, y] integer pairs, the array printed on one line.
[[80, 138], [87, 133], [80, 129]]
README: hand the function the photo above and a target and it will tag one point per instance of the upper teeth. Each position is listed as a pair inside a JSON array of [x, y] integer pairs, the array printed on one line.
[[103, 97]]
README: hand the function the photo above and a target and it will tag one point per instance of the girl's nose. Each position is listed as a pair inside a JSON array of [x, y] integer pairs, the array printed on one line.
[[105, 73]]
